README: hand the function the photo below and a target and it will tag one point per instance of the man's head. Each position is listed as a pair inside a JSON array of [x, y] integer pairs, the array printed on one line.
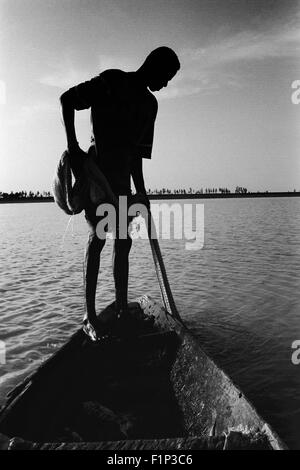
[[160, 66]]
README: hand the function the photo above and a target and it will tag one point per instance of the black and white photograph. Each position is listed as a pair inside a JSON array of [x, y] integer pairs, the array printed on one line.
[[149, 228]]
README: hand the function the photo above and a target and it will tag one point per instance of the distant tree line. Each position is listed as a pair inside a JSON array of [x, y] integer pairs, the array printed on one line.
[[46, 194], [240, 190], [195, 191], [13, 195]]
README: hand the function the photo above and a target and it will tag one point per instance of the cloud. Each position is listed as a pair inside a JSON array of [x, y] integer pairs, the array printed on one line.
[[65, 74], [117, 62], [27, 113], [248, 46], [64, 77], [282, 41], [206, 68], [186, 87]]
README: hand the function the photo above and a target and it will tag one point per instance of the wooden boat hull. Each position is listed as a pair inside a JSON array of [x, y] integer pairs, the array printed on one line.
[[153, 389]]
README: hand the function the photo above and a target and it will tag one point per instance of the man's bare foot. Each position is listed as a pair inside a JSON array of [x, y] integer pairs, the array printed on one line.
[[95, 330]]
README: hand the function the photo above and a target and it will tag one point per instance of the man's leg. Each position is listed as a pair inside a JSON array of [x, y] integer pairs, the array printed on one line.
[[121, 270], [91, 270]]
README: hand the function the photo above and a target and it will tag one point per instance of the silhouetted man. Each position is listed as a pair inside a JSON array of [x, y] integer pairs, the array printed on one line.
[[123, 113]]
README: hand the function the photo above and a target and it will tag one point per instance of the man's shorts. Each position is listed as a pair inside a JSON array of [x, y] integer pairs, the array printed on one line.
[[93, 219]]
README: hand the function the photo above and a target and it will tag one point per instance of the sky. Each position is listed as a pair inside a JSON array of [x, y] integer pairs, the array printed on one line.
[[225, 120]]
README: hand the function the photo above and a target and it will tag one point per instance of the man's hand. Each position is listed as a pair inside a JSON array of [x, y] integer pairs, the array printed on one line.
[[138, 179], [77, 153], [77, 159], [73, 148]]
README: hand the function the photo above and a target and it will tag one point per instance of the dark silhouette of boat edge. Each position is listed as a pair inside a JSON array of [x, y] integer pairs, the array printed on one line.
[[150, 386]]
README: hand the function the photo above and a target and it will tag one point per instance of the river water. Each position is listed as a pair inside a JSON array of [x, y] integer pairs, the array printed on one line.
[[239, 293]]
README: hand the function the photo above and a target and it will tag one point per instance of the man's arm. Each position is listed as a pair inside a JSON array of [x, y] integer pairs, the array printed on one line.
[[81, 97], [67, 101], [137, 174], [68, 107], [138, 179], [68, 117]]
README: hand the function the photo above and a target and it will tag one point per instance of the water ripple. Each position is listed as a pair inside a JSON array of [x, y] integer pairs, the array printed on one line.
[[239, 294]]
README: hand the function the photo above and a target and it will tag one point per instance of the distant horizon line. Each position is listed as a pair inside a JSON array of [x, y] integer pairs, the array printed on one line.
[[257, 194], [166, 191]]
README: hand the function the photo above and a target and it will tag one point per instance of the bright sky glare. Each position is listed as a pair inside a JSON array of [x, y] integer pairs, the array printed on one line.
[[226, 119]]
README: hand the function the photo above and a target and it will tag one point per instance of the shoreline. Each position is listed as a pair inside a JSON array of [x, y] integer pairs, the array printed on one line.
[[174, 196]]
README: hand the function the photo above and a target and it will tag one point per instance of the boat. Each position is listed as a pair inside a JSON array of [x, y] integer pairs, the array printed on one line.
[[151, 386]]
